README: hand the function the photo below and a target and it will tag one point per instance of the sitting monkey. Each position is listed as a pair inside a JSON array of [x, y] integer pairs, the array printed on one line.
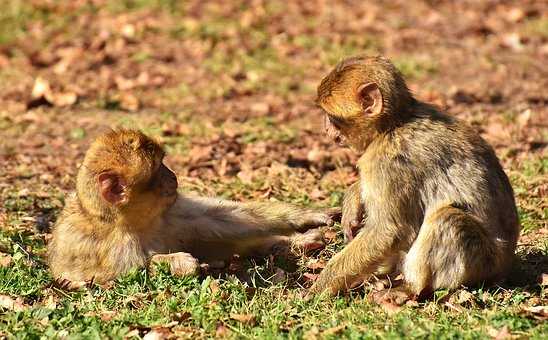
[[126, 212], [438, 206]]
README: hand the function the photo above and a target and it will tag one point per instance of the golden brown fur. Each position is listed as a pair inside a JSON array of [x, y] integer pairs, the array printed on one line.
[[434, 194], [126, 212]]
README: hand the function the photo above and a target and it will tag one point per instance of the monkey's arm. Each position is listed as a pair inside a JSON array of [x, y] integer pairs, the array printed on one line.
[[217, 219], [356, 260], [352, 211]]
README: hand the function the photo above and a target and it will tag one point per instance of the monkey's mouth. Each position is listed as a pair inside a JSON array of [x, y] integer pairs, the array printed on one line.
[[340, 141]]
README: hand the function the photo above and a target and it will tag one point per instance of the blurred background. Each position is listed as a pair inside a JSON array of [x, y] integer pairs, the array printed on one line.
[[229, 86]]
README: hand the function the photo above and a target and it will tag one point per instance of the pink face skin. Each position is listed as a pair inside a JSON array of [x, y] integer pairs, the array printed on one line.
[[166, 181], [332, 128]]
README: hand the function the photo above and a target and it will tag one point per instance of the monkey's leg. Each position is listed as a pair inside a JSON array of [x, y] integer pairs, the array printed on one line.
[[352, 211], [357, 260], [180, 264], [452, 249]]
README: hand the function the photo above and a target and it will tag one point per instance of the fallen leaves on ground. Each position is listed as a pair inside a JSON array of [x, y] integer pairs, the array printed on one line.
[[14, 304], [159, 333], [5, 260], [499, 334], [248, 319], [537, 312]]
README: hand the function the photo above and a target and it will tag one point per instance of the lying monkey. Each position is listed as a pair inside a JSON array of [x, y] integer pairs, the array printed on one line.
[[126, 212]]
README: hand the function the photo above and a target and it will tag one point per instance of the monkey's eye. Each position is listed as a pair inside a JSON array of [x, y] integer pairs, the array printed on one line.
[[149, 148], [335, 121]]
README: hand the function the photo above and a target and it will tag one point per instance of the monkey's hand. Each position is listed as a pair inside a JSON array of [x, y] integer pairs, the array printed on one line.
[[180, 264], [304, 242], [310, 218], [299, 244], [352, 212]]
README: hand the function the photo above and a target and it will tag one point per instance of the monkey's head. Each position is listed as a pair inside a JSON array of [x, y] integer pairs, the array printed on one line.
[[363, 96], [123, 176]]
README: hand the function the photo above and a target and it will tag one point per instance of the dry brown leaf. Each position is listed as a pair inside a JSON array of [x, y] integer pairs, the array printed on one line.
[[524, 118], [200, 153], [454, 307], [50, 302], [330, 235], [316, 155], [41, 88], [543, 279], [279, 276], [159, 333], [515, 14], [134, 333], [538, 312], [214, 286], [513, 41], [107, 315], [246, 176], [247, 319], [390, 307], [221, 331], [129, 102], [5, 260], [42, 91], [333, 330], [180, 317], [412, 303], [312, 334], [260, 108], [10, 303], [317, 194], [391, 300], [61, 99], [464, 297], [499, 334], [309, 277], [315, 264]]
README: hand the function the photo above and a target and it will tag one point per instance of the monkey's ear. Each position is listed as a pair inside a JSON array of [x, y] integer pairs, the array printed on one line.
[[370, 97], [112, 187]]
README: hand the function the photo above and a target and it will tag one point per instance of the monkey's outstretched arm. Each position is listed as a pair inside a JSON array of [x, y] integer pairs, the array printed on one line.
[[216, 219], [352, 211], [356, 260]]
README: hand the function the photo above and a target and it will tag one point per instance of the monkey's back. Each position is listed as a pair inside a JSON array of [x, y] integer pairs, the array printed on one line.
[[81, 251], [433, 161]]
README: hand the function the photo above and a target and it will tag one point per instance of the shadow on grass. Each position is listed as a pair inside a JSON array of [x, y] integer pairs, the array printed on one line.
[[526, 271]]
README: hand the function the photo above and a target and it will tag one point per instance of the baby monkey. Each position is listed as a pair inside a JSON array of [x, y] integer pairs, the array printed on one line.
[[437, 204], [126, 212]]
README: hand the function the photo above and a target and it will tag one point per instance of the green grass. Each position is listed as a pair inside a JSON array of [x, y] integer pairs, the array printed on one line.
[[201, 307], [140, 302]]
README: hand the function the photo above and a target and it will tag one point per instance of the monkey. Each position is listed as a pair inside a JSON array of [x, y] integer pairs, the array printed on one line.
[[127, 212], [437, 206], [352, 212]]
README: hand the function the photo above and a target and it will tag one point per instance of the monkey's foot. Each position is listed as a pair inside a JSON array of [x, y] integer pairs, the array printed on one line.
[[308, 241], [180, 264], [318, 218]]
